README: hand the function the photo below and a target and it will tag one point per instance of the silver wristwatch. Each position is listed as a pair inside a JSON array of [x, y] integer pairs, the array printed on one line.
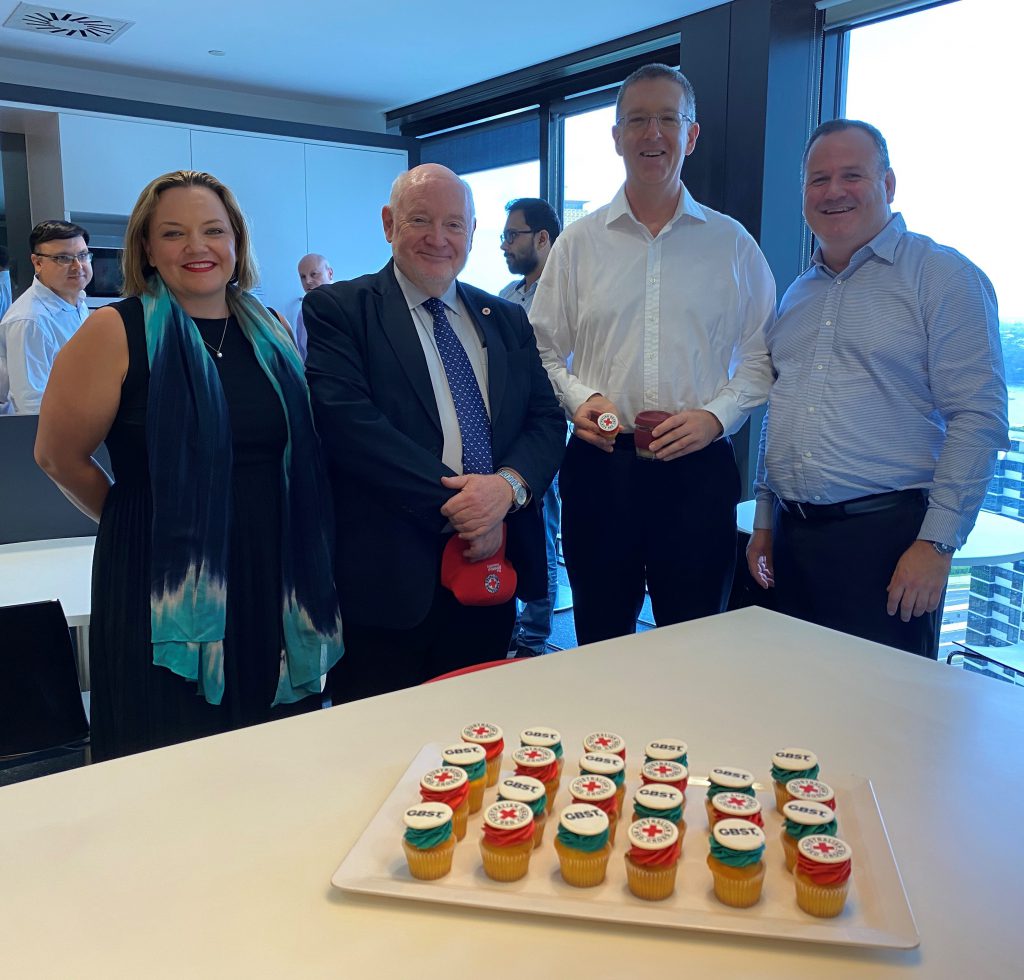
[[942, 549], [519, 492]]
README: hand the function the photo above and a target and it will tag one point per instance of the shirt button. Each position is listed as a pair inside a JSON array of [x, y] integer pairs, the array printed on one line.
[[808, 455], [810, 408], [839, 282], [828, 323], [817, 496], [820, 366], [652, 280]]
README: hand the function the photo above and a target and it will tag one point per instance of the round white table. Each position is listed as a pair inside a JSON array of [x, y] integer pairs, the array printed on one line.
[[995, 539]]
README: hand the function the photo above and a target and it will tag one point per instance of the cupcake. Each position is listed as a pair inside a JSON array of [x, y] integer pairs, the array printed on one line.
[[736, 806], [448, 784], [728, 778], [666, 750], [790, 764], [600, 791], [507, 842], [804, 819], [532, 760], [822, 875], [652, 858], [605, 742], [473, 760], [429, 841], [665, 773], [582, 845], [491, 739], [605, 764], [526, 789], [666, 802], [737, 847], [545, 738], [813, 790]]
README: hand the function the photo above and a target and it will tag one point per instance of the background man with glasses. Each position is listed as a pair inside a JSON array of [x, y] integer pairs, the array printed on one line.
[[530, 230], [662, 304], [42, 320]]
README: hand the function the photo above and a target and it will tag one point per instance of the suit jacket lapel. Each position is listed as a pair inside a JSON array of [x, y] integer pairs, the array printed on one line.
[[398, 326], [497, 356]]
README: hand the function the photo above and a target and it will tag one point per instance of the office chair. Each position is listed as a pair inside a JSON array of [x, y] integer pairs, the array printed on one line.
[[40, 702]]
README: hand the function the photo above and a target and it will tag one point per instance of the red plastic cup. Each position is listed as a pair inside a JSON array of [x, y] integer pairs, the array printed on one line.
[[643, 426]]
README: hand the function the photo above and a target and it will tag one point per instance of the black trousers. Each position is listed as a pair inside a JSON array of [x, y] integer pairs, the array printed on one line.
[[627, 522], [378, 659], [835, 573]]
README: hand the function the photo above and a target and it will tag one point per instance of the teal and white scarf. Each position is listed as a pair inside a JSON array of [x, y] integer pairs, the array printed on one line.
[[188, 437]]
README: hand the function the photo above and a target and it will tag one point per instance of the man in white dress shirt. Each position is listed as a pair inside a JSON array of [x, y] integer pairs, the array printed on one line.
[[662, 304], [314, 270], [44, 318]]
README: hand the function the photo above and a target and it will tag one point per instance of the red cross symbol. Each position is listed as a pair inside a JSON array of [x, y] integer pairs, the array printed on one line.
[[806, 788], [737, 800], [480, 730], [651, 830], [591, 786], [443, 777], [532, 754], [508, 814], [823, 848], [603, 741], [663, 770]]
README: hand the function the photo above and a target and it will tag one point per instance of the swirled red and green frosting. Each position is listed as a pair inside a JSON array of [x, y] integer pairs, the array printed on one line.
[[474, 770], [582, 842], [673, 814], [783, 776], [716, 788], [655, 858], [453, 797], [734, 858], [507, 836], [545, 774], [424, 840], [824, 874], [538, 805], [798, 831]]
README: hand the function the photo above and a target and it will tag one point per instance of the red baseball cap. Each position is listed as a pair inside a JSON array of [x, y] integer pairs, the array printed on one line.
[[478, 583]]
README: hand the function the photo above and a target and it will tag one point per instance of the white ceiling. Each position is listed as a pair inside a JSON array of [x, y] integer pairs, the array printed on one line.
[[379, 53]]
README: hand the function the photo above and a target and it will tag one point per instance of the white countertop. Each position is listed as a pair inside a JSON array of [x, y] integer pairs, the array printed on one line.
[[214, 858]]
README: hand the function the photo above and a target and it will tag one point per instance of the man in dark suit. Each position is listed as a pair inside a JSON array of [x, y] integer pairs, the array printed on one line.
[[437, 419]]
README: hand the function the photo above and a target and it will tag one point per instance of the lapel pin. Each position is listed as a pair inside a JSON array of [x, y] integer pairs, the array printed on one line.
[[486, 311]]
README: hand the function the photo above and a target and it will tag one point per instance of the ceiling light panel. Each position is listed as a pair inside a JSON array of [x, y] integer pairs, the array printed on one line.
[[67, 24]]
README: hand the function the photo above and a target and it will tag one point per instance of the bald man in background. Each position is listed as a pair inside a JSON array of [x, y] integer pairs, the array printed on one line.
[[314, 270]]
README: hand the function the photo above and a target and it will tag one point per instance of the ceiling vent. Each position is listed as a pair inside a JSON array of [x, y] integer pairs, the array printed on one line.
[[66, 23]]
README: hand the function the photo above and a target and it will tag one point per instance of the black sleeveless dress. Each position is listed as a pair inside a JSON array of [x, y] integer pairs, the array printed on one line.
[[136, 705]]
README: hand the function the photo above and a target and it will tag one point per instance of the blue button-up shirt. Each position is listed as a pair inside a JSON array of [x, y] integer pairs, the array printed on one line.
[[889, 377]]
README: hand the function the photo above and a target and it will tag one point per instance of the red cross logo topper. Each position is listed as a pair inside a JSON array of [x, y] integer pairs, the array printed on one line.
[[591, 786], [444, 777], [532, 754], [823, 847], [507, 814], [737, 800], [481, 730], [651, 830], [662, 770]]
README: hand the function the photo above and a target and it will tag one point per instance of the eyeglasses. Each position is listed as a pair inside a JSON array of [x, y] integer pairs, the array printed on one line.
[[667, 121], [82, 258], [509, 235]]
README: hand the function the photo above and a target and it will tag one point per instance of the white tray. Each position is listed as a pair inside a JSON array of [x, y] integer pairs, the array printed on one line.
[[877, 912]]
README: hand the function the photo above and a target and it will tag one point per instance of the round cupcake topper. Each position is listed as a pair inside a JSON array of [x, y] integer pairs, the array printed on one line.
[[665, 748], [607, 421], [794, 759], [444, 778], [482, 733], [656, 797], [664, 771], [508, 815], [731, 777], [735, 804], [463, 754], [603, 742], [738, 835], [525, 789], [591, 787], [652, 833], [584, 819], [602, 763], [540, 735], [808, 813], [824, 849], [533, 756], [427, 816], [810, 789]]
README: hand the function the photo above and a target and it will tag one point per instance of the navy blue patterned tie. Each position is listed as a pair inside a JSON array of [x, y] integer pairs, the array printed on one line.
[[474, 425]]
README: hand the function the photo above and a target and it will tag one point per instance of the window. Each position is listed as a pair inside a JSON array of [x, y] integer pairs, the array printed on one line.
[[593, 170]]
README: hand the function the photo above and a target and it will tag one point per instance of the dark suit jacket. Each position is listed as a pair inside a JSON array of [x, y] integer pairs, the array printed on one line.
[[377, 417]]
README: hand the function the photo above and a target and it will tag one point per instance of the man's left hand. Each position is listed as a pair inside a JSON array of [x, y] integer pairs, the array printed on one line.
[[686, 432], [484, 545], [481, 503], [916, 586]]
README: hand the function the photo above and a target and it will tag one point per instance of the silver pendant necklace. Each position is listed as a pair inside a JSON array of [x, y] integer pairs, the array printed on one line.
[[217, 350]]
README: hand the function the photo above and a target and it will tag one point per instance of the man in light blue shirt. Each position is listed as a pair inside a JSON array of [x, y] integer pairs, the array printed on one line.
[[887, 411], [5, 282], [44, 318], [531, 228]]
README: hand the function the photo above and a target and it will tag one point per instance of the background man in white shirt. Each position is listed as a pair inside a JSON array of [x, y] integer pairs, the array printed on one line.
[[314, 270], [662, 304], [44, 318], [531, 228]]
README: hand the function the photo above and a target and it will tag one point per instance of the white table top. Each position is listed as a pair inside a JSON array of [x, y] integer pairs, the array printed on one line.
[[995, 539], [33, 571], [214, 858]]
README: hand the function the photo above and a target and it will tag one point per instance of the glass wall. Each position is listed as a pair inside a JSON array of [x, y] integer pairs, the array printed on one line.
[[592, 169]]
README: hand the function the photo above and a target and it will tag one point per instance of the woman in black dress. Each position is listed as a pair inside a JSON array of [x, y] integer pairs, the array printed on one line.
[[213, 603]]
